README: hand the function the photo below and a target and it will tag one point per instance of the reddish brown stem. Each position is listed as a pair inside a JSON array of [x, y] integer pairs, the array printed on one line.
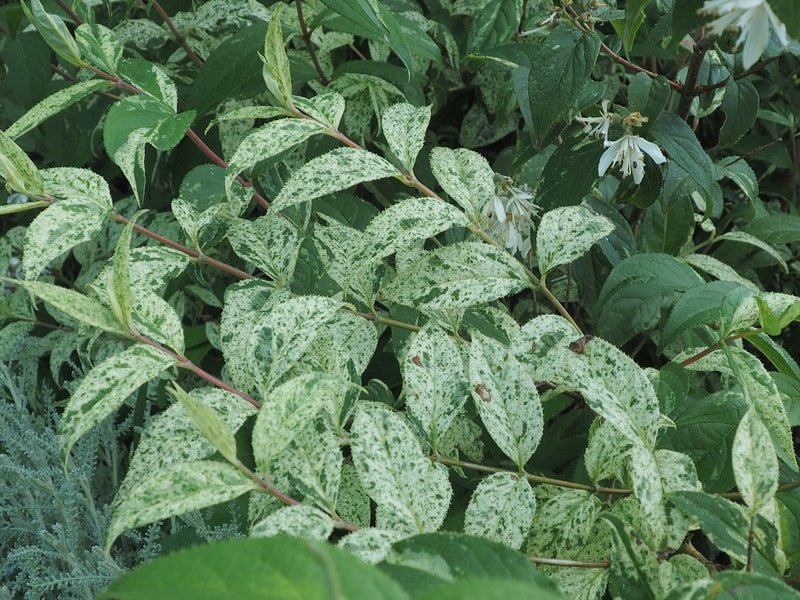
[[179, 37], [68, 9], [309, 44]]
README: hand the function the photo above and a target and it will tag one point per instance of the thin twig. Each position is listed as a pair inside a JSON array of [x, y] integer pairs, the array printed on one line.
[[68, 9], [69, 77], [714, 347], [309, 44], [688, 92], [702, 89], [563, 562], [179, 37]]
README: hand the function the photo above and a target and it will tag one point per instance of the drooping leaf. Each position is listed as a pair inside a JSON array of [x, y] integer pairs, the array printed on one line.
[[755, 463], [404, 126]]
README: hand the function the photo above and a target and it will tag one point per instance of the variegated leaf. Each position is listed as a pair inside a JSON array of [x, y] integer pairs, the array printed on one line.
[[466, 176], [404, 127], [300, 520], [755, 463], [501, 509], [567, 233], [276, 71], [370, 544], [212, 426], [17, 169], [270, 242]]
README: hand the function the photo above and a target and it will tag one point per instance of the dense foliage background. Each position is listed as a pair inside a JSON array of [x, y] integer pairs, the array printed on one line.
[[403, 298]]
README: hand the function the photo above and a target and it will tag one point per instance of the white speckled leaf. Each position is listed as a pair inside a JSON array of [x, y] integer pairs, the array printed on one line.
[[120, 294], [352, 503], [396, 473], [567, 233], [506, 398], [326, 108], [70, 183], [564, 521], [457, 276], [276, 71], [103, 390], [212, 426], [755, 463], [647, 486], [17, 169], [434, 382], [337, 170], [370, 544], [465, 175], [267, 141], [404, 127], [172, 438], [270, 242], [248, 113], [79, 307], [129, 157], [607, 454], [57, 229], [301, 520], [341, 249], [501, 509], [407, 222], [156, 319], [54, 104], [289, 411], [175, 490], [314, 460], [99, 45]]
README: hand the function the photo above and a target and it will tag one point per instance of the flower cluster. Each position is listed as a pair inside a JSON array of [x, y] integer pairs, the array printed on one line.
[[509, 215], [753, 18]]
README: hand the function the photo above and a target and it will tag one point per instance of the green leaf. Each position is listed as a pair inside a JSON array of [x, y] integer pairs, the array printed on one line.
[[434, 383], [724, 523], [99, 46], [685, 18], [276, 64], [648, 96], [404, 127], [152, 79], [287, 412], [636, 293], [407, 222], [411, 492], [10, 209], [76, 305], [567, 233], [54, 104], [300, 520], [506, 398], [685, 152], [745, 238], [176, 490], [171, 437], [208, 422], [120, 294], [501, 509], [495, 24], [789, 13], [279, 567], [460, 557], [103, 390], [57, 229], [17, 169], [270, 242], [569, 174], [740, 106], [563, 65], [718, 269], [755, 463], [634, 17], [54, 32], [667, 225], [268, 141], [458, 276], [337, 170], [466, 177]]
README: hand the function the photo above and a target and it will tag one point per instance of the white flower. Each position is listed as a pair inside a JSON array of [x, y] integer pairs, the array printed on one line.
[[629, 150], [510, 215], [598, 126], [752, 18]]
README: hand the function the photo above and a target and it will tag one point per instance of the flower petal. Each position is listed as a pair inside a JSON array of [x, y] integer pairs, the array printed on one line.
[[652, 150]]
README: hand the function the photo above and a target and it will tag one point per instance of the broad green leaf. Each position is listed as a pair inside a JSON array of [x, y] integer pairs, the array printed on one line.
[[54, 104], [299, 521], [54, 31], [17, 169], [745, 238], [741, 173], [775, 228], [434, 383], [70, 183], [501, 509], [685, 152], [489, 589], [634, 17], [103, 390], [636, 293], [268, 141], [279, 567], [337, 170], [460, 557], [569, 174], [176, 490], [755, 463], [76, 305], [506, 398], [466, 176], [212, 426], [458, 276], [404, 127], [567, 233], [271, 242], [413, 493], [99, 46], [740, 106], [171, 437], [667, 225], [789, 14], [495, 24], [648, 96], [563, 65], [288, 411], [718, 269], [57, 229], [409, 221], [276, 64]]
